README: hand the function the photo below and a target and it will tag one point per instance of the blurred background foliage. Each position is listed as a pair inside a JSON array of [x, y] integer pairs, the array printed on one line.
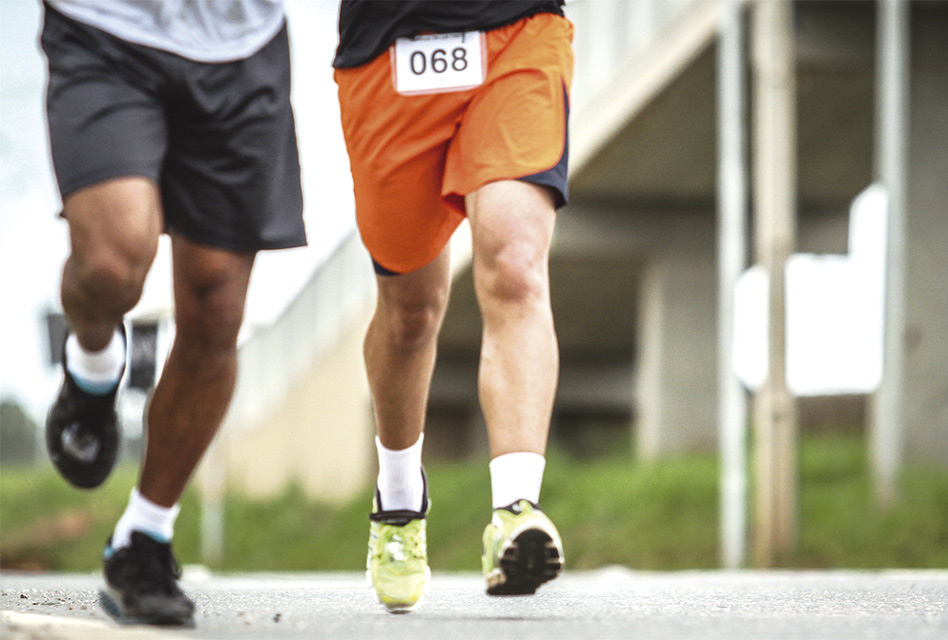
[[610, 510]]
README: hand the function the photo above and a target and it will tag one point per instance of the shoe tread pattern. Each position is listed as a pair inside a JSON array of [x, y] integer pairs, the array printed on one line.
[[530, 560]]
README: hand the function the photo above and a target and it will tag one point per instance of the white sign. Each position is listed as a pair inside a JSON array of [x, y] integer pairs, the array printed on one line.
[[439, 62], [834, 307]]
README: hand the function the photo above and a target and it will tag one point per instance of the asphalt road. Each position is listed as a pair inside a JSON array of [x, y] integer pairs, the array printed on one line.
[[610, 603]]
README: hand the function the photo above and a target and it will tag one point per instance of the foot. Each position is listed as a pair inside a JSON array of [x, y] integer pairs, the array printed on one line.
[[82, 433], [522, 550], [141, 585], [397, 565]]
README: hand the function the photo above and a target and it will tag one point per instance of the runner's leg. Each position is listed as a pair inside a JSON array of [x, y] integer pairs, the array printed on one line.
[[400, 349], [113, 228], [512, 227], [198, 380]]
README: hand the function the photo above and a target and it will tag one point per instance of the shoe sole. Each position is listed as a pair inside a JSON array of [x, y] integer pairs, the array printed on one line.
[[530, 560], [110, 601], [400, 606], [83, 474]]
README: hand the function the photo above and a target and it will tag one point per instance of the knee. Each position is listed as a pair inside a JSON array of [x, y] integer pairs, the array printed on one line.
[[414, 324], [208, 320], [114, 275], [113, 230], [512, 275]]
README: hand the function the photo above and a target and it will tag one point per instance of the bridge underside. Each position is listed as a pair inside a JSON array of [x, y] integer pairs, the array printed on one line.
[[633, 268]]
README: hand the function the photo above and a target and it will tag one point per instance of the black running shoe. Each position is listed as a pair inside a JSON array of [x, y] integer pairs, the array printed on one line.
[[141, 585], [82, 433]]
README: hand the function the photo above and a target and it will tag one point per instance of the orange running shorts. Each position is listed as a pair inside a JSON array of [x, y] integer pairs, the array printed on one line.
[[414, 156]]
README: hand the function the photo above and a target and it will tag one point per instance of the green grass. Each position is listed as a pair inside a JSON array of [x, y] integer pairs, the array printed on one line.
[[842, 527], [656, 516]]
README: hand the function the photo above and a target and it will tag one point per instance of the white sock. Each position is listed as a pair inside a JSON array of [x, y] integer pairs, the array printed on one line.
[[400, 484], [143, 515], [96, 372], [516, 476]]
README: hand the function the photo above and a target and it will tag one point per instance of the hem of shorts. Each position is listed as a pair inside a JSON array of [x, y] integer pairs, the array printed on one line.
[[562, 198], [426, 258], [538, 178], [237, 247], [402, 270], [104, 175], [383, 271]]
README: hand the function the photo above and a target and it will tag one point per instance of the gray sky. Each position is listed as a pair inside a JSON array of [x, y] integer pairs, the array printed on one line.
[[34, 243]]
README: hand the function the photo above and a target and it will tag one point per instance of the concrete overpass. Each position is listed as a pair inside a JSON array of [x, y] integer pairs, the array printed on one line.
[[633, 268]]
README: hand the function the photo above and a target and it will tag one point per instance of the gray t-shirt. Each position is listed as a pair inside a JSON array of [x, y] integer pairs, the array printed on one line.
[[201, 30]]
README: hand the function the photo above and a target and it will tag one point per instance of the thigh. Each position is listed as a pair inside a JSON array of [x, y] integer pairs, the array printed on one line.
[[102, 112], [397, 147], [118, 219], [511, 220]]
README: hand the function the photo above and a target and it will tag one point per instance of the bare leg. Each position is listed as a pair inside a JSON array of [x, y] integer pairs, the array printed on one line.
[[198, 380], [400, 349], [512, 224], [113, 228]]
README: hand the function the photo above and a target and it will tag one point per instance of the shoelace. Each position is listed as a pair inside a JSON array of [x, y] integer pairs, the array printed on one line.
[[401, 543], [156, 567]]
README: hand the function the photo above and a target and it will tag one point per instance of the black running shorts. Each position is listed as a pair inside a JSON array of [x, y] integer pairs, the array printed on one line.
[[219, 139]]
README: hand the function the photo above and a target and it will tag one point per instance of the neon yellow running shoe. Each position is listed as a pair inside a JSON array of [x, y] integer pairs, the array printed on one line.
[[522, 550], [397, 565]]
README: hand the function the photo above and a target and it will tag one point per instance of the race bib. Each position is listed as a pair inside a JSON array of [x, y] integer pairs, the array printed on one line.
[[439, 62]]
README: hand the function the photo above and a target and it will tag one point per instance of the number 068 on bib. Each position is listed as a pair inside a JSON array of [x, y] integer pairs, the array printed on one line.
[[439, 63]]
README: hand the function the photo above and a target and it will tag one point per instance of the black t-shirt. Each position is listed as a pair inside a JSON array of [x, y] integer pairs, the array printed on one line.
[[369, 27]]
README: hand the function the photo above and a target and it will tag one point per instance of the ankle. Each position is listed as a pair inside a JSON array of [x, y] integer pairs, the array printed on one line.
[[96, 372], [516, 476], [145, 516], [400, 482]]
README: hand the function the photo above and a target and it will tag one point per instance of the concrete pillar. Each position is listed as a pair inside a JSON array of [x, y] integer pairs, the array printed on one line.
[[892, 80], [334, 443], [321, 436], [925, 402], [676, 383], [775, 214]]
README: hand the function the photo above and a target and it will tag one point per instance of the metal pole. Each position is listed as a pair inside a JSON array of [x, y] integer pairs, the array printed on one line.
[[775, 199], [892, 78], [213, 486], [732, 249]]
